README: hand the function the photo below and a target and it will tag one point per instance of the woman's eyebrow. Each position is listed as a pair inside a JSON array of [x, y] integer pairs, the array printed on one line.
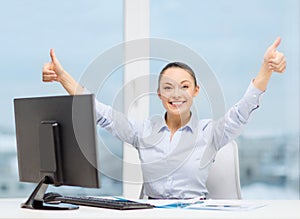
[[167, 83], [171, 84], [185, 81]]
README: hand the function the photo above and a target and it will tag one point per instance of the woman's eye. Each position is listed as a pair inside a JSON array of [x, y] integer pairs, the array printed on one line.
[[185, 87], [167, 88]]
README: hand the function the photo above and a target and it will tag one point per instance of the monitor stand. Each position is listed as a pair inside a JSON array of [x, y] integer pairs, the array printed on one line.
[[50, 172], [35, 200]]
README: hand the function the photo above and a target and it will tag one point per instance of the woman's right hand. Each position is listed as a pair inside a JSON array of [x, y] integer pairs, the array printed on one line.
[[52, 71]]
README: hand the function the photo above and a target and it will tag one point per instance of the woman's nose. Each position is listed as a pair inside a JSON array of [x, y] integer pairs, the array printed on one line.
[[177, 93]]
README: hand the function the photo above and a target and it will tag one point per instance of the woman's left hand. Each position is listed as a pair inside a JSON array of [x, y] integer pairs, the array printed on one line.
[[273, 59]]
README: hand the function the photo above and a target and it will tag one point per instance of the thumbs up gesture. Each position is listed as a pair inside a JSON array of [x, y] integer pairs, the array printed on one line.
[[274, 60], [53, 70]]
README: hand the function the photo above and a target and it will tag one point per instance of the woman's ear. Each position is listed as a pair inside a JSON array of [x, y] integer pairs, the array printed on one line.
[[158, 93], [197, 90]]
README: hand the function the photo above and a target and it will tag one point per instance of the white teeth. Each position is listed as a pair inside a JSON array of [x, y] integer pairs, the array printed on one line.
[[177, 103]]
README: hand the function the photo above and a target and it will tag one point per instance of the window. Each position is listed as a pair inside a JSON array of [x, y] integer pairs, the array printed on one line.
[[79, 32]]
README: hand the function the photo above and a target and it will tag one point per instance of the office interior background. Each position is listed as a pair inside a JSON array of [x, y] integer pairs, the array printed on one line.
[[230, 35]]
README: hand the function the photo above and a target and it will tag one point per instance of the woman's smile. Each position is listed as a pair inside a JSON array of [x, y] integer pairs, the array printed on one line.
[[177, 103]]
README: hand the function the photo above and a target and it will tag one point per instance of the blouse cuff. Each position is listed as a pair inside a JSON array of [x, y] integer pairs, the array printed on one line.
[[253, 95]]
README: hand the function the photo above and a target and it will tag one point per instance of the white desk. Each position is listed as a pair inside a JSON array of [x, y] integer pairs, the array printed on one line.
[[10, 208]]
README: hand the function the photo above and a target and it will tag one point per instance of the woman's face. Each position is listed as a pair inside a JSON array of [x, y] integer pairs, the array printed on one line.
[[176, 90]]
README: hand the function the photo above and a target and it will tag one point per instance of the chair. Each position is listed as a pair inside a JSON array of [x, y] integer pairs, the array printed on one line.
[[224, 177]]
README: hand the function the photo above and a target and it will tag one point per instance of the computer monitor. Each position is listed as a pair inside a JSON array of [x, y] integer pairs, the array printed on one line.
[[56, 143]]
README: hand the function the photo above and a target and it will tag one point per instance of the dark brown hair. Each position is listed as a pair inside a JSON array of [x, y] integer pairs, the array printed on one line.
[[178, 65]]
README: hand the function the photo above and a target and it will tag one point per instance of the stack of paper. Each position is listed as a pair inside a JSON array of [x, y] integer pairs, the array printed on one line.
[[226, 205], [199, 204]]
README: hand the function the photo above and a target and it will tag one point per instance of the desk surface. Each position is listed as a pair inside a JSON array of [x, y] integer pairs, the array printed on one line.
[[10, 208]]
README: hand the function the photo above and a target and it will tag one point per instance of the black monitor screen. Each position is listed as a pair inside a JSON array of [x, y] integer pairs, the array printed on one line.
[[56, 137]]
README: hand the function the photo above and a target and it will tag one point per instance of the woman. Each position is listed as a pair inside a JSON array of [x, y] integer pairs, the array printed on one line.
[[172, 147]]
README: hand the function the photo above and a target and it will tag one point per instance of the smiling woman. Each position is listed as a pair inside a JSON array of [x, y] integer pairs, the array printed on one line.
[[179, 140]]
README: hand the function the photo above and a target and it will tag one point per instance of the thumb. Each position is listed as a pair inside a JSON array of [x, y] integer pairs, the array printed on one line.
[[55, 63], [276, 43], [53, 56]]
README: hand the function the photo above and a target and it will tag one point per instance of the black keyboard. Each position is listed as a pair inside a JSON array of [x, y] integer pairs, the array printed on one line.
[[104, 202]]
